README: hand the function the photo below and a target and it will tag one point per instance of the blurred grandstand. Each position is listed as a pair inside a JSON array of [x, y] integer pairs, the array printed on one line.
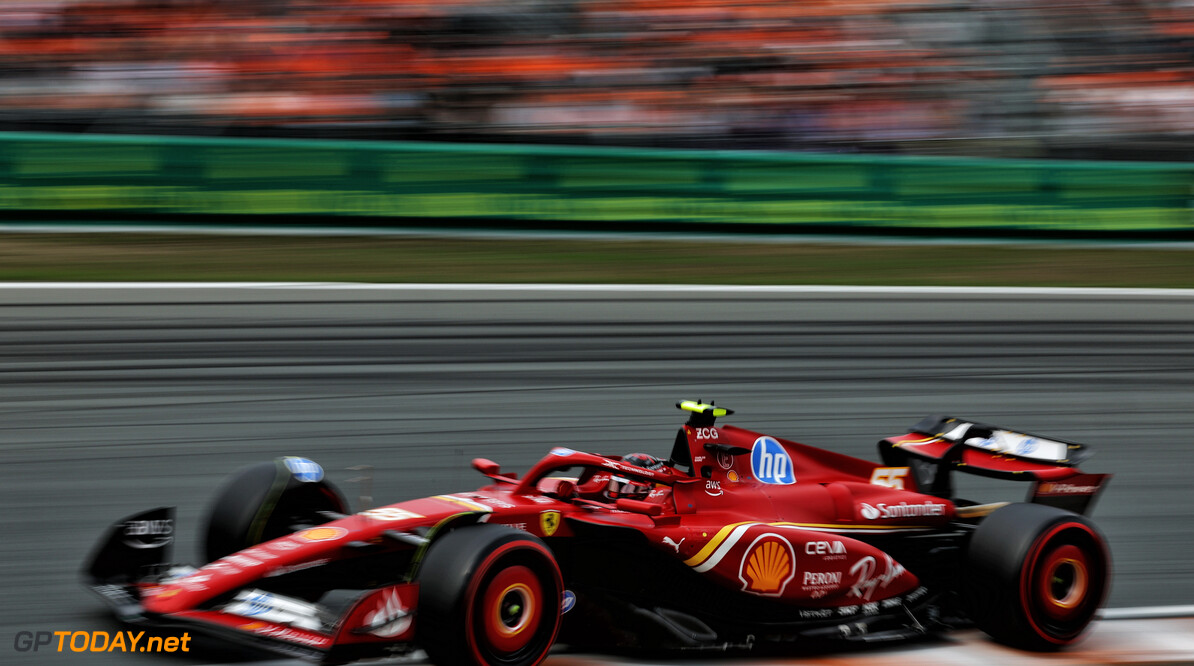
[[1101, 79]]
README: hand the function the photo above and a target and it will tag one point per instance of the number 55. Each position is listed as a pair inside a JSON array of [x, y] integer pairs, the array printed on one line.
[[891, 477]]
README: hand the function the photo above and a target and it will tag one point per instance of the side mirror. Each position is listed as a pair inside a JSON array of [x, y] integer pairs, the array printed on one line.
[[486, 466], [492, 470], [636, 506]]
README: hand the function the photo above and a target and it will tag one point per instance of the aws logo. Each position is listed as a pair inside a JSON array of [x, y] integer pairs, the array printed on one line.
[[770, 463], [768, 566]]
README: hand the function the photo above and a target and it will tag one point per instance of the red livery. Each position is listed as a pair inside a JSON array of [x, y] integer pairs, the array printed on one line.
[[737, 541]]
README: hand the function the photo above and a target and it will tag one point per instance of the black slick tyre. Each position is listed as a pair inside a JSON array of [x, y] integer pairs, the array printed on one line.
[[1036, 575], [489, 595], [263, 502]]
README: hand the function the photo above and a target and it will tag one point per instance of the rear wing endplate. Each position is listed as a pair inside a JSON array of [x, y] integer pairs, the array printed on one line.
[[938, 445]]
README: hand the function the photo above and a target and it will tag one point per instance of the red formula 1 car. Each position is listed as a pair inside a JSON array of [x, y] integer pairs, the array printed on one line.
[[738, 540]]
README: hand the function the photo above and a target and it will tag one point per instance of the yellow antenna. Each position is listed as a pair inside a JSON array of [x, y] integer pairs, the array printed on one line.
[[698, 407]]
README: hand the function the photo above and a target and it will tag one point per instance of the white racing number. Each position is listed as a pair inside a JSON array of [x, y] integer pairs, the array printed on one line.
[[889, 477], [390, 513]]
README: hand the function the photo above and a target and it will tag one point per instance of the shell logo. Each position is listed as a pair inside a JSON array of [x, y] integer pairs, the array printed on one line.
[[322, 533], [767, 566]]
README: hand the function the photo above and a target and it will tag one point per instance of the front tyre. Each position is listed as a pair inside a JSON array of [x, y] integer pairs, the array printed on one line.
[[1037, 575], [489, 595], [266, 501]]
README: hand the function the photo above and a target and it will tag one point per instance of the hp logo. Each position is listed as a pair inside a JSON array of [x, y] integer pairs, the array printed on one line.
[[770, 462]]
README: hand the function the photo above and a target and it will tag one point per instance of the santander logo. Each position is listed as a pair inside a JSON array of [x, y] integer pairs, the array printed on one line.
[[902, 510]]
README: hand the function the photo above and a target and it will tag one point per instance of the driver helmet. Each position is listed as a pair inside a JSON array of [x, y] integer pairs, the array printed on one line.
[[643, 460]]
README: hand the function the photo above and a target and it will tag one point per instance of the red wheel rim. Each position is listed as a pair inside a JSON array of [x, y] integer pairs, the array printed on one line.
[[1063, 582], [511, 609]]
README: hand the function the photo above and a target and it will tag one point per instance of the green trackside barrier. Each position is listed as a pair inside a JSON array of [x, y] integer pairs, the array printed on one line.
[[63, 176]]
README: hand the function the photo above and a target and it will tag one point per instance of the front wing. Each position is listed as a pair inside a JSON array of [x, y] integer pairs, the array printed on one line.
[[131, 566], [376, 623]]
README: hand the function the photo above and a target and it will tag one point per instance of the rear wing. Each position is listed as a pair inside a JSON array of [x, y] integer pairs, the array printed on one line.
[[938, 445]]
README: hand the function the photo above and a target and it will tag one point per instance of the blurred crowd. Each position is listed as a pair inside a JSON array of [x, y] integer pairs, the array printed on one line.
[[978, 76]]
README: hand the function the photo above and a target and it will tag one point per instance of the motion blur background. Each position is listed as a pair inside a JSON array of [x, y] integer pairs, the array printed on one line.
[[1091, 79], [956, 116]]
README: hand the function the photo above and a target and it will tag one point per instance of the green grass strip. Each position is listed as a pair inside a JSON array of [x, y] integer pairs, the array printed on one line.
[[180, 257]]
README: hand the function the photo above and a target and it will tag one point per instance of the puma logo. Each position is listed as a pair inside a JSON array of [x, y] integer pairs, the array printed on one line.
[[673, 544]]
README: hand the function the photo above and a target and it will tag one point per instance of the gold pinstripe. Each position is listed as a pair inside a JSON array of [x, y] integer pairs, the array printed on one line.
[[469, 504], [705, 552], [723, 533], [927, 440]]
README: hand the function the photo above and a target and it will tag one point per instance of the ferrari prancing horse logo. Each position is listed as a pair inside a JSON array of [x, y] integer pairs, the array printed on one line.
[[549, 522]]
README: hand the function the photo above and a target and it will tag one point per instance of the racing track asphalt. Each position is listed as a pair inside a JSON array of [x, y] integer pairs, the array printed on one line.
[[114, 399]]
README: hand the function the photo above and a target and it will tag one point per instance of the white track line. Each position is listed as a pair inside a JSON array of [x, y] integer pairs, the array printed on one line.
[[1146, 612], [620, 288]]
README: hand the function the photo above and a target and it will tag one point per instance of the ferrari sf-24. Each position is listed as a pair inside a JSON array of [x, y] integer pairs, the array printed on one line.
[[738, 540]]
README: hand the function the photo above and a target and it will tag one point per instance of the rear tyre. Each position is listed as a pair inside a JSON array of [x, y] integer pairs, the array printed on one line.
[[265, 501], [1037, 575], [489, 595]]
